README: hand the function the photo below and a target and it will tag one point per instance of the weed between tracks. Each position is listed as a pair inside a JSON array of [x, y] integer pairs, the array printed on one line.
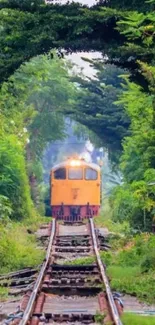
[[81, 261], [99, 318]]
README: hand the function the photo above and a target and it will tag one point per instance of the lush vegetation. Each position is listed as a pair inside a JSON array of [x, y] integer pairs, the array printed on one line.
[[29, 111], [18, 246], [131, 260], [132, 268], [127, 38], [35, 98], [32, 27], [18, 249], [95, 107], [134, 200], [31, 108]]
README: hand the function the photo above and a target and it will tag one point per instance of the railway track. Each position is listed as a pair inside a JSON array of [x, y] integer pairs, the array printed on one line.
[[65, 292]]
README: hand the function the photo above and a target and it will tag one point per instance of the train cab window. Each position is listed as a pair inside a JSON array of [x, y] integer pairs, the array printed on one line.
[[60, 173], [75, 173], [90, 174]]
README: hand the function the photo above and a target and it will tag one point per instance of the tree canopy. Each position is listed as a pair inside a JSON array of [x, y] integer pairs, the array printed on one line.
[[34, 91], [33, 27], [96, 108], [30, 103]]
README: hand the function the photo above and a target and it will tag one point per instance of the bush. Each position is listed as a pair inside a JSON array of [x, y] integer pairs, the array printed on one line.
[[148, 262], [127, 267], [105, 220], [5, 209], [18, 249], [106, 257], [13, 178]]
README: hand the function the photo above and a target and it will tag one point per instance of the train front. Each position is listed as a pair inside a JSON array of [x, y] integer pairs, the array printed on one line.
[[75, 190]]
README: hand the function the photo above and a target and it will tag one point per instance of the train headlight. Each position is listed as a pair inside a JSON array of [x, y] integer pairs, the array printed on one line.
[[74, 163]]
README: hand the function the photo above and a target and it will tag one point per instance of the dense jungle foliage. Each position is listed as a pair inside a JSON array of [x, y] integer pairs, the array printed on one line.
[[38, 90]]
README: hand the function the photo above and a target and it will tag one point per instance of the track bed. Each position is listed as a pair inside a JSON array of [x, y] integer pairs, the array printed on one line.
[[69, 293]]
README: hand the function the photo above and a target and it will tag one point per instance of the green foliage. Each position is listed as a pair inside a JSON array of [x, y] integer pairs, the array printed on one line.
[[106, 257], [13, 179], [105, 220], [5, 208], [17, 248], [140, 28], [96, 107], [32, 28], [132, 268], [148, 262], [134, 200], [44, 84], [140, 5], [31, 103], [99, 318], [38, 29], [3, 293], [130, 280], [125, 207]]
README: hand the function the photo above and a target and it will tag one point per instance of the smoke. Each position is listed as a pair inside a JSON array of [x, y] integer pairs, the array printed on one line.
[[71, 146], [87, 152]]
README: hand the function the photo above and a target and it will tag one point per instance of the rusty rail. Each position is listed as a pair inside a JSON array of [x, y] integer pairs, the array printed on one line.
[[114, 311], [29, 308]]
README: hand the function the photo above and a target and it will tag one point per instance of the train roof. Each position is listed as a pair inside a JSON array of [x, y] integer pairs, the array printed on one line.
[[82, 163]]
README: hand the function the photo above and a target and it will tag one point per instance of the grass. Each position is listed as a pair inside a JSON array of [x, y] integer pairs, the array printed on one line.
[[132, 268], [35, 222], [3, 293], [133, 319], [18, 249], [130, 280], [119, 272], [112, 226], [131, 262]]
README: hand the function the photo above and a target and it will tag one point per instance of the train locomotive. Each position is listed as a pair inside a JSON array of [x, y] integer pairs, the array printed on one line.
[[75, 190]]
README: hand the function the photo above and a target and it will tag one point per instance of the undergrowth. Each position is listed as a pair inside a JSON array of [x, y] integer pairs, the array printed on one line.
[[105, 220], [131, 260], [3, 293], [34, 223], [131, 268], [18, 249]]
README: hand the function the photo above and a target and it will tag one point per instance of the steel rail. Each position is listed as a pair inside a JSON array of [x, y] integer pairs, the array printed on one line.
[[28, 310], [114, 311]]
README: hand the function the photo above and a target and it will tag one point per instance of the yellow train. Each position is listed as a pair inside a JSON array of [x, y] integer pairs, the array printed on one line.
[[75, 190]]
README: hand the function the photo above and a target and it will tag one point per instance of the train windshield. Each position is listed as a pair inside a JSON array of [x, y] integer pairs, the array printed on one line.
[[60, 173], [75, 173], [90, 174]]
